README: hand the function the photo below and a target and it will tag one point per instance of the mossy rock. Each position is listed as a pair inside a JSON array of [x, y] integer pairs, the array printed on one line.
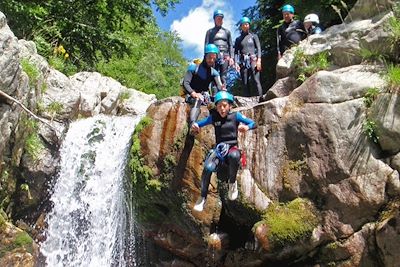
[[288, 223]]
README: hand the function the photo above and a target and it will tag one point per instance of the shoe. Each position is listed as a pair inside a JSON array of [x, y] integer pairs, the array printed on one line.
[[200, 204], [233, 191]]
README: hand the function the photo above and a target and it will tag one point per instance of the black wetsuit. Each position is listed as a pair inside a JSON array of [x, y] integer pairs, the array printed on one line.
[[226, 130], [197, 79], [289, 34], [247, 51], [221, 37]]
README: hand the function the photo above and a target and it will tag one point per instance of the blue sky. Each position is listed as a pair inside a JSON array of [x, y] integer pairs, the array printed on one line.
[[192, 18]]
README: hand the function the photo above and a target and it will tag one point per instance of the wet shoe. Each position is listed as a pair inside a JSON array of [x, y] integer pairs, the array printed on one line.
[[200, 204], [233, 191]]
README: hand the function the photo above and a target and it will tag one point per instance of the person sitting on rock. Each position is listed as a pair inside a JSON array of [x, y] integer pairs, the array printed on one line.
[[227, 125], [290, 32], [311, 24], [248, 56], [197, 80]]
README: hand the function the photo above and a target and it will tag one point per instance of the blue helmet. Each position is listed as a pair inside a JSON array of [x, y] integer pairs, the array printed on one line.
[[211, 48], [223, 95], [244, 20], [288, 8], [218, 13]]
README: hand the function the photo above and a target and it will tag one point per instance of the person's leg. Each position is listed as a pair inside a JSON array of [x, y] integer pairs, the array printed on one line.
[[205, 182], [233, 160], [256, 77], [244, 73]]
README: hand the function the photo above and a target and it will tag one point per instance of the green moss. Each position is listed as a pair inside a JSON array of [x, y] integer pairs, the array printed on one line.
[[140, 173], [2, 219], [22, 239], [290, 222], [31, 70]]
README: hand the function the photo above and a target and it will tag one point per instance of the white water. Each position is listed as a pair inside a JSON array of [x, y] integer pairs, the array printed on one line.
[[90, 223]]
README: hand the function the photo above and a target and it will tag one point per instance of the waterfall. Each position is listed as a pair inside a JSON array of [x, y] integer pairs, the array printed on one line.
[[90, 223]]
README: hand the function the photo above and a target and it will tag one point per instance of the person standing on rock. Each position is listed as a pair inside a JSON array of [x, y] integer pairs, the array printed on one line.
[[290, 32], [197, 80], [248, 56], [221, 37], [227, 125]]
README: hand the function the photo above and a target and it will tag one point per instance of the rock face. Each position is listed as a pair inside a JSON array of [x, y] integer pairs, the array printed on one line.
[[309, 159]]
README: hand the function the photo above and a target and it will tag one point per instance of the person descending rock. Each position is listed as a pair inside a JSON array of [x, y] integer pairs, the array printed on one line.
[[226, 124], [248, 55], [221, 37], [197, 80], [290, 32], [311, 24]]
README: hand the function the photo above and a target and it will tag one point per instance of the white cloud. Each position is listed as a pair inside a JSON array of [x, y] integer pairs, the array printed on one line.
[[193, 27]]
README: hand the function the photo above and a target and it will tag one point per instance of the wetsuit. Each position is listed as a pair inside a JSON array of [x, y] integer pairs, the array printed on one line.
[[289, 34], [221, 37], [226, 130], [247, 51], [197, 79]]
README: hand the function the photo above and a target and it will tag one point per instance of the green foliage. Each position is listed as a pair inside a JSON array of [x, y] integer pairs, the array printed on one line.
[[370, 96], [33, 144], [25, 187], [154, 63], [60, 60], [88, 28], [393, 77], [31, 70], [371, 55], [370, 130], [394, 29], [307, 65], [290, 222], [54, 108], [124, 95]]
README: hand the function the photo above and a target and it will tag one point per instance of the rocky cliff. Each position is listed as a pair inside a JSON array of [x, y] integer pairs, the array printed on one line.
[[321, 187]]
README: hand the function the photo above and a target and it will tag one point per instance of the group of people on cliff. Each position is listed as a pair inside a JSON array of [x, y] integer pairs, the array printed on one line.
[[245, 56]]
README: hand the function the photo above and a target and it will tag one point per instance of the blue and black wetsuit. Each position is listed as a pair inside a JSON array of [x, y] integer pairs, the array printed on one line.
[[222, 38], [289, 34], [226, 130], [247, 51], [197, 79]]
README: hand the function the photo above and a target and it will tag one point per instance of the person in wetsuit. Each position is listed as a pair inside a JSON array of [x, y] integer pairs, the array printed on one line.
[[221, 37], [248, 55], [197, 80], [290, 32], [227, 125], [311, 24]]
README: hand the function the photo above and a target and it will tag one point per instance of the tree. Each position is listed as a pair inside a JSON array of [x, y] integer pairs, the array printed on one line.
[[86, 28]]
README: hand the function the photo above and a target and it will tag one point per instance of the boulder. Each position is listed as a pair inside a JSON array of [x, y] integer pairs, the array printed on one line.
[[385, 112], [364, 9]]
